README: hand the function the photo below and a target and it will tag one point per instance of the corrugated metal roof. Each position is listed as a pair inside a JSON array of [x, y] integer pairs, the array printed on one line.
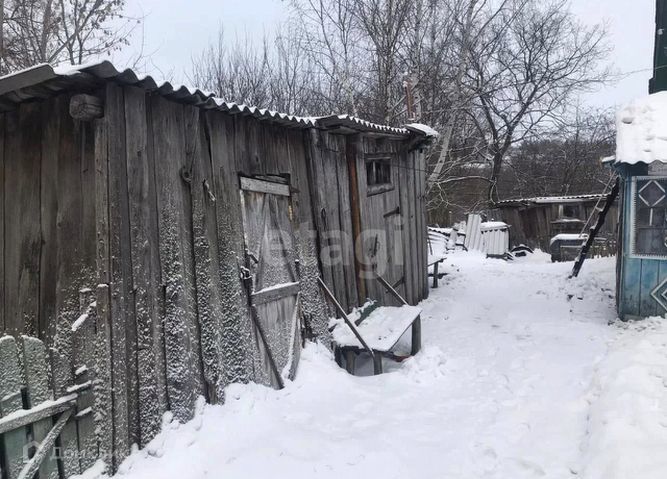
[[473, 239], [548, 199], [358, 124], [43, 81]]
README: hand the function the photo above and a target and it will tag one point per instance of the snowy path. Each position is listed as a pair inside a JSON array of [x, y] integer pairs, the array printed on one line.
[[511, 383]]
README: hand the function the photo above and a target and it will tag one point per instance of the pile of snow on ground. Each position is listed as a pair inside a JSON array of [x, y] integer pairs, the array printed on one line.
[[521, 376]]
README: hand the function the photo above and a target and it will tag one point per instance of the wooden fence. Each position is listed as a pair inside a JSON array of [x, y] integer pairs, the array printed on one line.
[[54, 402]]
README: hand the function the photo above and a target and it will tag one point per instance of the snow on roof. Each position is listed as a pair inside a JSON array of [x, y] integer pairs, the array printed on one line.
[[641, 130], [568, 237], [425, 129], [549, 199], [45, 79], [493, 225]]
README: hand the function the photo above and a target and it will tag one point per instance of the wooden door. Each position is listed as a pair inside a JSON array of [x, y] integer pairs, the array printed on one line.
[[272, 276]]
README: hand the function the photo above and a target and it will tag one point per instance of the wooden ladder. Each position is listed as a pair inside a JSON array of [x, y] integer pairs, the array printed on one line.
[[595, 229]]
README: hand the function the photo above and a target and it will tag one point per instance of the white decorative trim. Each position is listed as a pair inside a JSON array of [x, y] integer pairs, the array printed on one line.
[[633, 217], [652, 182], [660, 297]]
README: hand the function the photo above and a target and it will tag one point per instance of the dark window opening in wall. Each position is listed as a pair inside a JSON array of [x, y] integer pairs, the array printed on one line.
[[571, 211], [378, 175]]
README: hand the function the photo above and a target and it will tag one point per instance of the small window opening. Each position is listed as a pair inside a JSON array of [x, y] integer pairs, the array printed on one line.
[[378, 174], [571, 211]]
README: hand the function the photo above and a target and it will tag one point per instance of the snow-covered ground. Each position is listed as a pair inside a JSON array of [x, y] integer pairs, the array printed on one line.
[[521, 376]]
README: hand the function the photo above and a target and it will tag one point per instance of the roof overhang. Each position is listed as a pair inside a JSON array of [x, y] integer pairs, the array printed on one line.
[[44, 81]]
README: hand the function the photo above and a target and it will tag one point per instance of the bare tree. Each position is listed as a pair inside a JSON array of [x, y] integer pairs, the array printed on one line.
[[51, 31], [273, 74], [534, 60], [489, 74], [563, 163], [329, 37]]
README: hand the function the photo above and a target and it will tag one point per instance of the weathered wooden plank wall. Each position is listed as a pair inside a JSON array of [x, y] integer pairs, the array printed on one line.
[[3, 326], [145, 203], [47, 249], [143, 211], [531, 225], [120, 272], [391, 231], [333, 216]]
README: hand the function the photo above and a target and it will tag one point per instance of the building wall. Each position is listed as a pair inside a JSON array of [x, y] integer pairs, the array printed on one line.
[[146, 200], [47, 227], [532, 224], [173, 174], [363, 231], [637, 277]]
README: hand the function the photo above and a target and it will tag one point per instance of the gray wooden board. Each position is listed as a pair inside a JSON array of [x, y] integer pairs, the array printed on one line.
[[11, 382], [102, 200], [26, 417], [2, 223], [414, 258], [145, 264], [28, 279], [35, 369], [88, 224], [102, 386], [345, 212], [158, 318], [204, 228], [245, 162], [119, 277], [83, 363], [273, 294], [22, 220], [175, 245], [49, 205], [70, 268], [310, 301], [235, 323], [317, 180], [251, 184], [420, 178], [331, 216], [407, 233]]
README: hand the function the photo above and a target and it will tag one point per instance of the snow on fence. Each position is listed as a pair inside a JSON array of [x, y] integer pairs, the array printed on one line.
[[53, 407]]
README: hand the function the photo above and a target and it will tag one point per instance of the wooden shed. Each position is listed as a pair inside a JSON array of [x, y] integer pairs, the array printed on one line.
[[641, 159], [197, 228], [535, 221]]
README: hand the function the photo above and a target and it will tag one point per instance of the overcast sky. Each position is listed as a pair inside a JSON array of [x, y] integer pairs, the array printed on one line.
[[175, 30]]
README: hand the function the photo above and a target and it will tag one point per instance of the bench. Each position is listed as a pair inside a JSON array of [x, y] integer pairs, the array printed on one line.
[[373, 329]]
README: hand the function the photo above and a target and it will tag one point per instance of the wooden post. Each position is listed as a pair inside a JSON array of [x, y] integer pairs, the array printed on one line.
[[355, 207], [435, 274], [350, 359], [377, 364], [86, 107], [416, 336]]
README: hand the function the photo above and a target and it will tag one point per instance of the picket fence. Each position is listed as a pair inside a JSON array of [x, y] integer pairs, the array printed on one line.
[[55, 401]]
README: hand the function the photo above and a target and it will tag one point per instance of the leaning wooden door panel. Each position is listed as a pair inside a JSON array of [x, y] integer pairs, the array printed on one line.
[[271, 264]]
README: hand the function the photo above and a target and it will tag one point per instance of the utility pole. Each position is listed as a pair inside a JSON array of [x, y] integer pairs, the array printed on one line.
[[659, 80]]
